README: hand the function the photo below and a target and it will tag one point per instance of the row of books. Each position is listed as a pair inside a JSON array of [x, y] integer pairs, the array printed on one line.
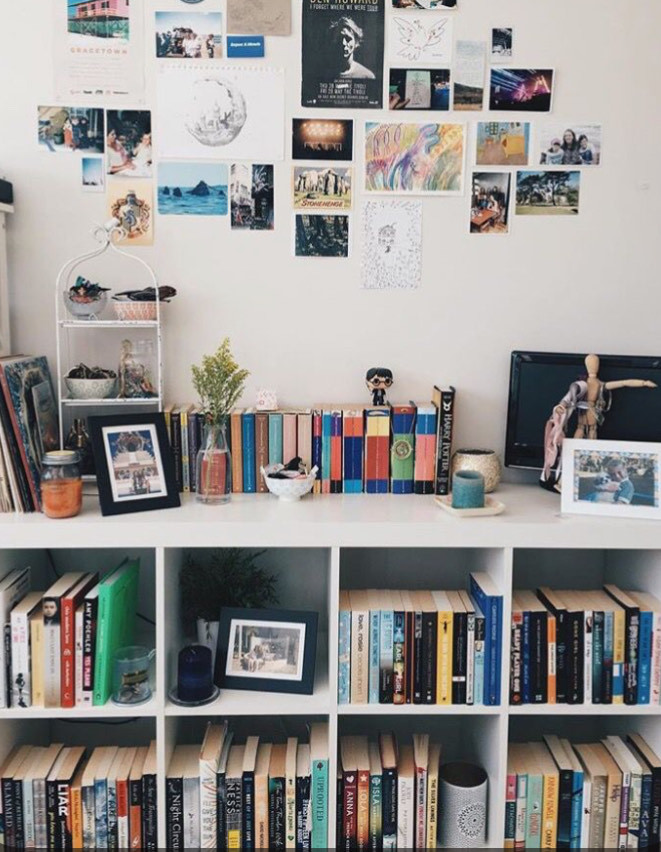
[[28, 429], [59, 797], [421, 647], [258, 795], [388, 793], [59, 643], [585, 647], [403, 449], [600, 795]]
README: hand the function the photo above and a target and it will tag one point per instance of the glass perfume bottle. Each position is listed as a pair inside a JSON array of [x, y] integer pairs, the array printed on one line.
[[137, 367]]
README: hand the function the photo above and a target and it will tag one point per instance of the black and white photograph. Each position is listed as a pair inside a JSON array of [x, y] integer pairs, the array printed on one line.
[[611, 478], [317, 235], [251, 197], [343, 54], [272, 650], [502, 39], [321, 139], [133, 462]]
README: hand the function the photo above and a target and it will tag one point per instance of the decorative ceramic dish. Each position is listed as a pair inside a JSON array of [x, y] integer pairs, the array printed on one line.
[[135, 311], [90, 388], [85, 310], [491, 507], [173, 695], [290, 490]]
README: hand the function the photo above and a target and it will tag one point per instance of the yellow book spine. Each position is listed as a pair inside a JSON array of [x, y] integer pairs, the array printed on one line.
[[234, 839], [619, 631], [432, 810], [76, 794], [444, 659], [550, 812], [185, 457], [37, 660]]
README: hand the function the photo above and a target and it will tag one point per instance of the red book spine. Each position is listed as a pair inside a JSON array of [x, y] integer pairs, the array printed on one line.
[[122, 798], [135, 814], [336, 452], [68, 652], [349, 808]]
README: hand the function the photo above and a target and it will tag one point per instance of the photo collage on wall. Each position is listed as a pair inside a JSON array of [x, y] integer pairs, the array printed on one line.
[[222, 128]]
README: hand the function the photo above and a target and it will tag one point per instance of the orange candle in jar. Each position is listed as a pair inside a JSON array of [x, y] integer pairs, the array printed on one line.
[[61, 484]]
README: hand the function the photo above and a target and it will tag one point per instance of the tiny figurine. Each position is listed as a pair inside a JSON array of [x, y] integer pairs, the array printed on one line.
[[267, 400], [591, 399], [378, 380]]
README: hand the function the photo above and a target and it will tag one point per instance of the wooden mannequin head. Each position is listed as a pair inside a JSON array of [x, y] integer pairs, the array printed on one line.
[[592, 366]]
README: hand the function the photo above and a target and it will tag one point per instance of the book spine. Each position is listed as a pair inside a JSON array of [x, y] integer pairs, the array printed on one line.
[[376, 817], [552, 678], [409, 667], [277, 839], [20, 660], [386, 654], [19, 815], [135, 813], [375, 639], [575, 659], [377, 449], [303, 813], [339, 813], [624, 810], [402, 451], [248, 811], [586, 814], [619, 651], [78, 658], [359, 657], [185, 454], [656, 661], [275, 438], [399, 658], [432, 809], [77, 818], [560, 653], [631, 658], [29, 815], [510, 812], [316, 449], [607, 667], [655, 823], [290, 811], [344, 658], [417, 658], [90, 622], [101, 661], [261, 812], [645, 657], [175, 444], [40, 814], [319, 798], [566, 782], [87, 797], [123, 837], [68, 651], [174, 803], [492, 609], [597, 656], [101, 812], [478, 665], [363, 811], [444, 658], [8, 679], [597, 813], [236, 433], [336, 453], [52, 671], [191, 813], [645, 812], [576, 810], [233, 807], [587, 656], [325, 452], [221, 813], [149, 813], [249, 453], [52, 834], [208, 804], [389, 807], [62, 816], [194, 447], [37, 660], [521, 811], [534, 811], [444, 442], [405, 813], [539, 657], [470, 658], [261, 449], [460, 635], [550, 812], [429, 643], [420, 808]]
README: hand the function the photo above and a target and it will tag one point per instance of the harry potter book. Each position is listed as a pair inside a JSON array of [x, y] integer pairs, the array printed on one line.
[[403, 449], [377, 450], [443, 400]]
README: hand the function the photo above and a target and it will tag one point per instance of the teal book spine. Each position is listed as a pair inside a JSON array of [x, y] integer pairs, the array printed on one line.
[[375, 647], [645, 656], [249, 452], [344, 658], [478, 665], [325, 451], [376, 817], [386, 657], [534, 811], [576, 810], [275, 438], [319, 832]]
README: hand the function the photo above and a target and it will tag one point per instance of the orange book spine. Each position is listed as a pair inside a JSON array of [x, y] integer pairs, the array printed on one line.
[[237, 455], [552, 646], [76, 816]]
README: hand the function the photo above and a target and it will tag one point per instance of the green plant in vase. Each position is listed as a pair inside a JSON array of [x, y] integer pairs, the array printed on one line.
[[219, 382]]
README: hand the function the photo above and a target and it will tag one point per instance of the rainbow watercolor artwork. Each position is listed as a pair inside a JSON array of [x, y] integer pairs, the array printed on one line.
[[416, 159]]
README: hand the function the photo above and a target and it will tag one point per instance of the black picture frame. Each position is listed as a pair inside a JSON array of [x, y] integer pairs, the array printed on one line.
[[112, 503], [303, 685]]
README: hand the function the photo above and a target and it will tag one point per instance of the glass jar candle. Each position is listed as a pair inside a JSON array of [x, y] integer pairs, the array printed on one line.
[[61, 484]]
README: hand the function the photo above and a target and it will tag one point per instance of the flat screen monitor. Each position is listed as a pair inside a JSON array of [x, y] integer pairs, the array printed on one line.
[[539, 380]]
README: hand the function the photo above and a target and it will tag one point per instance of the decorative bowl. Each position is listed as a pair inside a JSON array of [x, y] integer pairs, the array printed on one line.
[[485, 462], [85, 310], [135, 311], [90, 388], [289, 490]]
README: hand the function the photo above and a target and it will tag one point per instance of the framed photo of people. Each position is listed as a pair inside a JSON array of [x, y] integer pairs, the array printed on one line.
[[134, 464]]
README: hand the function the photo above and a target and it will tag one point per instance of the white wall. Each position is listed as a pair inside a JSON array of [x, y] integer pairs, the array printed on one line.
[[304, 325]]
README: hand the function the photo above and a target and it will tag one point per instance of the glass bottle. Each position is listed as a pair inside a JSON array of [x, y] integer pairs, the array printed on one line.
[[214, 465], [137, 368], [79, 440], [61, 485]]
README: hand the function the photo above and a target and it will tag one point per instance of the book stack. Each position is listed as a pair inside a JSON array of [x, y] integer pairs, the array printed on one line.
[[59, 797], [595, 647], [399, 449], [387, 795], [59, 643], [258, 795], [420, 647], [599, 795], [28, 429]]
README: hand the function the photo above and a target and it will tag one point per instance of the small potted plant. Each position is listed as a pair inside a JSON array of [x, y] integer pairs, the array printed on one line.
[[230, 577], [219, 382]]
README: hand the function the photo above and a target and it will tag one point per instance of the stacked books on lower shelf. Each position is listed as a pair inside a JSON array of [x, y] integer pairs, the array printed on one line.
[[59, 643], [599, 795], [420, 647], [257, 795], [65, 798], [578, 647]]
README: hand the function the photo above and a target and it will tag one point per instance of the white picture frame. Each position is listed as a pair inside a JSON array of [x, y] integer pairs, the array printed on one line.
[[611, 478]]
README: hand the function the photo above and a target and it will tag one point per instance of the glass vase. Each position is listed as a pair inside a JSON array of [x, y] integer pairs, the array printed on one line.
[[214, 465]]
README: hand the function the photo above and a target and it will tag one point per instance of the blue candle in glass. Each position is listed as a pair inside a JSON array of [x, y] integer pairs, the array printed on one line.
[[467, 490], [194, 675]]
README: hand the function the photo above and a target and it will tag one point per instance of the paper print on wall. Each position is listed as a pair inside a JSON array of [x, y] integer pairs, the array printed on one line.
[[193, 189], [444, 5], [469, 69], [98, 51], [490, 202], [570, 145], [189, 35], [220, 113], [251, 193], [392, 245], [71, 129], [318, 139], [129, 143], [324, 187], [503, 143], [420, 39], [502, 45], [92, 174], [317, 235], [342, 59], [419, 88], [419, 159], [549, 193], [521, 90], [259, 17], [132, 203]]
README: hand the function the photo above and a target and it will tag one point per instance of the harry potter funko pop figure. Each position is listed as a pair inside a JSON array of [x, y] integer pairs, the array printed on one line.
[[378, 380]]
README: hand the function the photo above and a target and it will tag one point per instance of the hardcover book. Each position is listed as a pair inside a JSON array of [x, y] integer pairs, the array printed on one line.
[[402, 452]]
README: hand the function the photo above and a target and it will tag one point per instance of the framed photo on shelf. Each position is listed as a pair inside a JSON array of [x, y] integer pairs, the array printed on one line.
[[270, 650], [134, 464], [614, 478]]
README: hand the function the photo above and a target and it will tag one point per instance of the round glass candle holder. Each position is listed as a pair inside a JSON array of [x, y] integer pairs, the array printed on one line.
[[467, 490]]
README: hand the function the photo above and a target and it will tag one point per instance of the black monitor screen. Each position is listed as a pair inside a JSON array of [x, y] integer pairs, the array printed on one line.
[[539, 380]]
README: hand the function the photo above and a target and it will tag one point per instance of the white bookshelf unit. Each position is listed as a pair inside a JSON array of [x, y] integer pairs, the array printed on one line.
[[316, 547]]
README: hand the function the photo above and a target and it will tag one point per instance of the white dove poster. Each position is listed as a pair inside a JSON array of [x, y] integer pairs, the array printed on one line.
[[420, 39]]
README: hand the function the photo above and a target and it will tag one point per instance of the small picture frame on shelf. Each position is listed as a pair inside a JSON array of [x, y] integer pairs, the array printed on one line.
[[134, 464], [269, 650], [614, 478]]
